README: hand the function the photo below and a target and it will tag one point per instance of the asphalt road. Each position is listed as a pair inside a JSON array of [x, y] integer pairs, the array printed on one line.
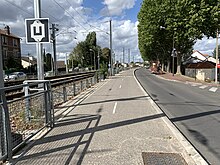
[[195, 111]]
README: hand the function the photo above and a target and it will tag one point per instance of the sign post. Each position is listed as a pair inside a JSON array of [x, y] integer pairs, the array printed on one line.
[[37, 32]]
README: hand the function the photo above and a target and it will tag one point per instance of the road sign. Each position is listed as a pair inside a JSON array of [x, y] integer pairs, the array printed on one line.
[[37, 30], [218, 65]]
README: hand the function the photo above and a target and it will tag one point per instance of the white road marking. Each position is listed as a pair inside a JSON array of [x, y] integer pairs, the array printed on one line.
[[196, 84], [120, 86], [114, 109], [213, 89], [203, 86], [122, 79]]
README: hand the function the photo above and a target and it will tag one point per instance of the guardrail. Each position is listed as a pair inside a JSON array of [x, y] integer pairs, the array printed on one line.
[[33, 109]]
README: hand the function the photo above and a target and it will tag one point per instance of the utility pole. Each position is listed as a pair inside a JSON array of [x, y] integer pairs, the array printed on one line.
[[123, 55], [128, 56], [216, 66], [110, 62], [66, 63], [54, 29]]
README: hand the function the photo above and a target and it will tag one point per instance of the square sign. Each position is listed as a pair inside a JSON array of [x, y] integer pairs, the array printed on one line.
[[37, 30]]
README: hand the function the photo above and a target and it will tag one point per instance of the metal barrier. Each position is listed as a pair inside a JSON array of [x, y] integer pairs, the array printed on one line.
[[22, 118]]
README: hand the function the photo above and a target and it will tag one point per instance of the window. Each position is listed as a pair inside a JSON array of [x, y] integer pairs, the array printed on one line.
[[15, 42], [5, 53], [4, 40]]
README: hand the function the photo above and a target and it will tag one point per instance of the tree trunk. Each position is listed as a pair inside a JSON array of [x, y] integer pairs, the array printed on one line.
[[168, 65], [163, 66], [178, 64]]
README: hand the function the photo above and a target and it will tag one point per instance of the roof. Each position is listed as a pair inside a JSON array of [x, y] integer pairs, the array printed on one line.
[[201, 65], [4, 32], [198, 57]]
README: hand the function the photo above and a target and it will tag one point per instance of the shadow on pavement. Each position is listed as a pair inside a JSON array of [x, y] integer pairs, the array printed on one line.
[[57, 142], [111, 100]]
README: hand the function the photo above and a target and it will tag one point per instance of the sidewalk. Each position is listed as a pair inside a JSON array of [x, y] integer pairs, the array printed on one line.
[[183, 78], [116, 123]]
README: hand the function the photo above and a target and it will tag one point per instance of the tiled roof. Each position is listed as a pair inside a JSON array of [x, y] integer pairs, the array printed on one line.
[[4, 32]]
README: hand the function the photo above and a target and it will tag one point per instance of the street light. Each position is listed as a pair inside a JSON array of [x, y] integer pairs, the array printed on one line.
[[217, 61], [94, 58]]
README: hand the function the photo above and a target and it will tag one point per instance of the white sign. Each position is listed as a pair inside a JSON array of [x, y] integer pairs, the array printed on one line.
[[37, 30]]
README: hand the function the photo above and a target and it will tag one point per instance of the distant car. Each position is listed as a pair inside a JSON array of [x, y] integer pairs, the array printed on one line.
[[15, 76]]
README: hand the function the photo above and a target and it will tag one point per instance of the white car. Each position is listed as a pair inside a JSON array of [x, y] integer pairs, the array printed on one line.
[[15, 76]]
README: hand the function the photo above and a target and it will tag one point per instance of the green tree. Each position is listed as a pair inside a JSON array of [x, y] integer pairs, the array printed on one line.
[[184, 22], [91, 39], [214, 52], [48, 62]]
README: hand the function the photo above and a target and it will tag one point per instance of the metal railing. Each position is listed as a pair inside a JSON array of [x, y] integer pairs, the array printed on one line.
[[23, 117]]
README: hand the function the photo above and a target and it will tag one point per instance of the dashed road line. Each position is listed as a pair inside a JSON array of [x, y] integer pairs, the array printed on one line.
[[114, 109], [120, 86], [203, 86], [196, 84], [213, 89]]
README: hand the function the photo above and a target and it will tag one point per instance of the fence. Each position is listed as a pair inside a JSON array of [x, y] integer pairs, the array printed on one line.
[[22, 118]]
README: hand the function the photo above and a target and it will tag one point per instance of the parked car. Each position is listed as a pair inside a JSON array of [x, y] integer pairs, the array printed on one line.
[[15, 76]]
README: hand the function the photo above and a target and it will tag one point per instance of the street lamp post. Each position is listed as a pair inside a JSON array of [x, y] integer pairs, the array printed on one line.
[[216, 65], [94, 58]]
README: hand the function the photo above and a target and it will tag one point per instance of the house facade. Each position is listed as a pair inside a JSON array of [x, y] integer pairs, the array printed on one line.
[[200, 66], [28, 62], [10, 49]]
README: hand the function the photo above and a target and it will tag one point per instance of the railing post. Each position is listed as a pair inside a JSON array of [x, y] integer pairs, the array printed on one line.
[[3, 145], [50, 93], [46, 103], [27, 102], [7, 127], [64, 94], [74, 89], [87, 83], [81, 86]]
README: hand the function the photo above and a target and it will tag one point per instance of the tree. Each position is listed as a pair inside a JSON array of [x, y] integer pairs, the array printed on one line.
[[105, 56], [183, 23], [48, 62], [214, 52], [82, 54], [91, 39]]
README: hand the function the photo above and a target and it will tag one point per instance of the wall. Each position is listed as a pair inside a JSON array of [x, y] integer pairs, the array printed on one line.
[[201, 74]]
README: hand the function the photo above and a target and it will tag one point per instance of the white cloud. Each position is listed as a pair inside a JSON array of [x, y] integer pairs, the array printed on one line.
[[116, 7], [205, 45]]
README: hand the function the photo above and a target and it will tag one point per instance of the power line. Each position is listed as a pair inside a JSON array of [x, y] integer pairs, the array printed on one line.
[[19, 7], [85, 20], [69, 14]]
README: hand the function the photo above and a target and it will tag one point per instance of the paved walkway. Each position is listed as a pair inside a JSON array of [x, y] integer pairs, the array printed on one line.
[[179, 77], [115, 124]]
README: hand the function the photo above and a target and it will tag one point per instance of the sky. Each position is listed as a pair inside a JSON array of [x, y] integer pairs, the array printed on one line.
[[76, 18]]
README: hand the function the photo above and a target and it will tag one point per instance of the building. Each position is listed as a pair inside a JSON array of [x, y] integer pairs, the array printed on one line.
[[200, 66], [10, 49], [61, 66], [28, 62]]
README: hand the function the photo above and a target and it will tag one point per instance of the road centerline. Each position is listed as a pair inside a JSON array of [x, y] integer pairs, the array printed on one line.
[[115, 106]]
